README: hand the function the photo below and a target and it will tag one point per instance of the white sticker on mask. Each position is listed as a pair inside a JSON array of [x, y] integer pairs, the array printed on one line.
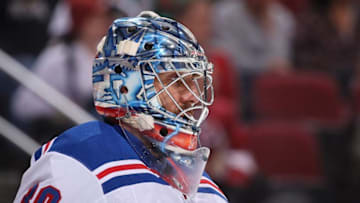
[[127, 47]]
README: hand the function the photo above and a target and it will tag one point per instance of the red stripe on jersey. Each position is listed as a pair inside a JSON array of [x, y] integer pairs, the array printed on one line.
[[120, 168], [154, 171], [204, 181], [47, 146]]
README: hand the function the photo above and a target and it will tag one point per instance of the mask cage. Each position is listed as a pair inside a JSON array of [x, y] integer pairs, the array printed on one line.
[[183, 68]]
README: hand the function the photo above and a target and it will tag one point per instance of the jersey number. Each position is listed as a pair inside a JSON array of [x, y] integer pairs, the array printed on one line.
[[48, 194]]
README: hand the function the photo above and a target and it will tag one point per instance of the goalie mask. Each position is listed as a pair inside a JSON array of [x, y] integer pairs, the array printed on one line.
[[144, 68]]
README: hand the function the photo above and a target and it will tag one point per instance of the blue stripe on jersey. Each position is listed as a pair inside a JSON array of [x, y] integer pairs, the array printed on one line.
[[94, 144], [126, 180], [211, 191], [37, 154]]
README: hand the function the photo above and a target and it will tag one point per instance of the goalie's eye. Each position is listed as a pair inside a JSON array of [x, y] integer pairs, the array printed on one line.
[[179, 83]]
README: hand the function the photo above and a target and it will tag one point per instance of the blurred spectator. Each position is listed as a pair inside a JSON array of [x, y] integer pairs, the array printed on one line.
[[60, 64], [327, 40], [257, 34]]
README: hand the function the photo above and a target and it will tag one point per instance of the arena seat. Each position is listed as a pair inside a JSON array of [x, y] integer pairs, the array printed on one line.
[[284, 150], [302, 96]]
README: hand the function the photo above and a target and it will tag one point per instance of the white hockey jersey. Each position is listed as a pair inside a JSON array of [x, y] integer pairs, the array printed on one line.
[[93, 162]]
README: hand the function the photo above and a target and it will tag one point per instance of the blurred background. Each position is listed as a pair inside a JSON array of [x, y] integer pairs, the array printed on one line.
[[284, 124]]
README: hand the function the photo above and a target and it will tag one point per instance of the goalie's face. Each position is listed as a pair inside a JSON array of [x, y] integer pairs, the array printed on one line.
[[181, 93]]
